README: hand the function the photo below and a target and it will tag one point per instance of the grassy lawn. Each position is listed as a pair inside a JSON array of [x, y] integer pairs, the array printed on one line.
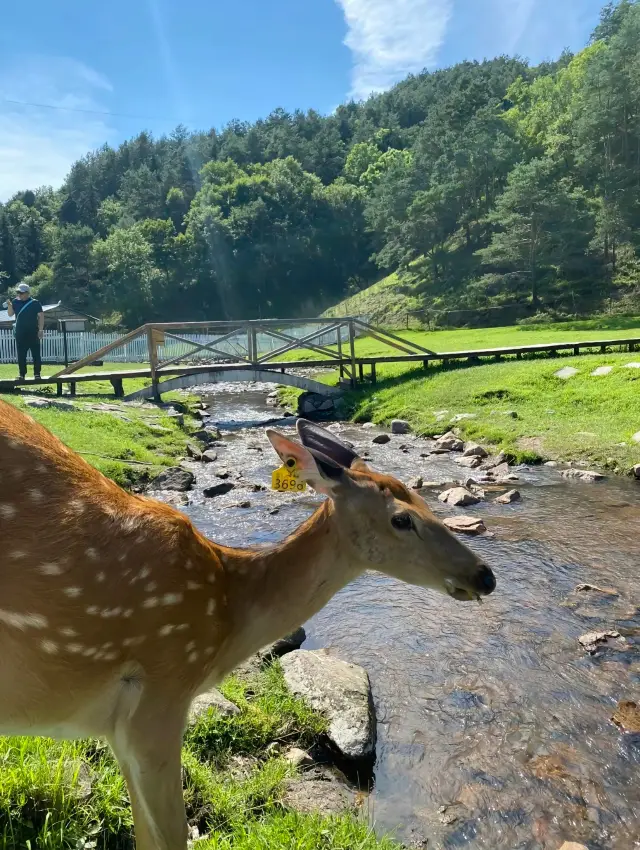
[[56, 795], [466, 339], [127, 445], [583, 418]]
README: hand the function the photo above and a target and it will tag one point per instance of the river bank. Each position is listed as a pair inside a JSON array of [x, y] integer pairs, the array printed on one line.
[[571, 409]]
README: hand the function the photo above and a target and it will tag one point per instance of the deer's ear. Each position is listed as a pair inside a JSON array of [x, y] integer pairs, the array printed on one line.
[[320, 472]]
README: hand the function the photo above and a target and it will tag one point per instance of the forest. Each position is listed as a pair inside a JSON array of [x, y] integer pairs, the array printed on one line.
[[483, 184]]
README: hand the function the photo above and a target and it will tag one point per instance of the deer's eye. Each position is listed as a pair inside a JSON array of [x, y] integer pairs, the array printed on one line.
[[402, 522]]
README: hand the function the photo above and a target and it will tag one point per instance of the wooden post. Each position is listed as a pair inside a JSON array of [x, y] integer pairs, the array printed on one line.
[[374, 377], [576, 350], [118, 389], [72, 387], [352, 350], [361, 371], [252, 345], [58, 388], [340, 350], [153, 363], [64, 342]]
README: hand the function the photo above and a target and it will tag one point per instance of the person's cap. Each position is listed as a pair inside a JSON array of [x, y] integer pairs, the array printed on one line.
[[22, 287]]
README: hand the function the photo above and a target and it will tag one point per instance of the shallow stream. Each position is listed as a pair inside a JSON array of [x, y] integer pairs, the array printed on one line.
[[494, 726]]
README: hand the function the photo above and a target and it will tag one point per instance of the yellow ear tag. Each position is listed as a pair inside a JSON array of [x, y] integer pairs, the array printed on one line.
[[286, 478]]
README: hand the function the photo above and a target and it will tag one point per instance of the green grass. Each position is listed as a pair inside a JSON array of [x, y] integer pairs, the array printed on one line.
[[42, 804], [127, 446], [385, 302], [583, 418]]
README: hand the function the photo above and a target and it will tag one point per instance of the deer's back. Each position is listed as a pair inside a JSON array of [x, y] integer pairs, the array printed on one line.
[[96, 586]]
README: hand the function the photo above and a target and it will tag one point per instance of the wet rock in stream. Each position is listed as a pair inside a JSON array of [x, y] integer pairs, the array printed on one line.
[[339, 690], [174, 478], [465, 525], [218, 489], [458, 497], [508, 498], [627, 717]]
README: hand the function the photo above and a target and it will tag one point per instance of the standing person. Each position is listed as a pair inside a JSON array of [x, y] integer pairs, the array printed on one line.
[[28, 328]]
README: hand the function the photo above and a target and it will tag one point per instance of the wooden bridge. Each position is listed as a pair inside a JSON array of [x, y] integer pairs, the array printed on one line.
[[244, 351]]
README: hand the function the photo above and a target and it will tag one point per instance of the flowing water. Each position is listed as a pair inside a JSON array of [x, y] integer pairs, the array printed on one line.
[[494, 724]]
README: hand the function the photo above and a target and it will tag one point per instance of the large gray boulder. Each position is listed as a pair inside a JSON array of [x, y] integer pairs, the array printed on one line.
[[400, 426], [174, 478], [458, 497], [583, 474], [341, 691]]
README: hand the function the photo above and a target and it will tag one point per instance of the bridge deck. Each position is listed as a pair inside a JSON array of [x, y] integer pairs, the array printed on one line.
[[118, 375]]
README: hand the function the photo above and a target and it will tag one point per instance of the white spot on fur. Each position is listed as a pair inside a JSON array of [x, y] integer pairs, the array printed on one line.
[[107, 613], [23, 621], [36, 495], [41, 468], [92, 610], [211, 607], [130, 523], [77, 505], [91, 553], [209, 650], [192, 658], [74, 648], [51, 569], [151, 602], [17, 472], [193, 585], [134, 641], [172, 598], [107, 645], [128, 612], [190, 646], [122, 557], [73, 592], [91, 650], [188, 565], [182, 627], [110, 656], [67, 632], [49, 647], [18, 554], [101, 576], [7, 511], [151, 586], [13, 444], [211, 578], [166, 630], [145, 572]]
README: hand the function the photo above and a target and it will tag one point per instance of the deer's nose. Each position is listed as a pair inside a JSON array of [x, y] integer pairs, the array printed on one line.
[[485, 581]]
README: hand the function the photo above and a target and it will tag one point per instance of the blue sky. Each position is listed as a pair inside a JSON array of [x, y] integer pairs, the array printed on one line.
[[152, 64]]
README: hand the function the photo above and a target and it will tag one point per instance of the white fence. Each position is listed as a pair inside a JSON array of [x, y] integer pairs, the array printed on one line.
[[81, 344]]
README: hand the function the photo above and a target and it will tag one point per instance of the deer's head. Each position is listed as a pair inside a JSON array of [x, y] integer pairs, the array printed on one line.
[[388, 527]]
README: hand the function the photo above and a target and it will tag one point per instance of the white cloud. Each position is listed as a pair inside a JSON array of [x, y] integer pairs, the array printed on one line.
[[392, 38], [38, 144]]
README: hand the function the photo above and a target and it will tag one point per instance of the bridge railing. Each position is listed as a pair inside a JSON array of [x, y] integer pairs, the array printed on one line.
[[258, 343]]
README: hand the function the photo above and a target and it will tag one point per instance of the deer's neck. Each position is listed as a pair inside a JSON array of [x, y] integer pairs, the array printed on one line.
[[271, 592]]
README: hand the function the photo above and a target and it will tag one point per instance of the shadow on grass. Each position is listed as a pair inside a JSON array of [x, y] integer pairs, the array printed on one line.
[[605, 323]]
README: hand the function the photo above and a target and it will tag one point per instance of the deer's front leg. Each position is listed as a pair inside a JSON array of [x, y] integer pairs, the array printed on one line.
[[148, 748]]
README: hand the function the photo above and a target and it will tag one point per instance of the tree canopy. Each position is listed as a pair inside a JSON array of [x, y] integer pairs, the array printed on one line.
[[486, 183]]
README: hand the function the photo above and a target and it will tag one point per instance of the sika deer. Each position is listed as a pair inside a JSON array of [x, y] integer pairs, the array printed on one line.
[[115, 612]]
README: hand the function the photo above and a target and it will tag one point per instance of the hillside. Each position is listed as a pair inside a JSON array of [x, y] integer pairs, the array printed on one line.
[[386, 302], [483, 184]]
